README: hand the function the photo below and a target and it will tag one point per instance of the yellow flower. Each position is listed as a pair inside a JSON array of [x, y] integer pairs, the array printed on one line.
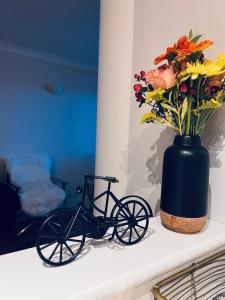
[[220, 60], [211, 104], [206, 69], [154, 95], [148, 117], [151, 117]]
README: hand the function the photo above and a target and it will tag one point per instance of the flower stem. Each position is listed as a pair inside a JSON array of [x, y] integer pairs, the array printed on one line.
[[197, 125], [198, 96], [189, 116], [205, 120]]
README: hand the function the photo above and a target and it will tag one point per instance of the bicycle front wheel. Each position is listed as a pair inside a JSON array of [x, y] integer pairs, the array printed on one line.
[[60, 238]]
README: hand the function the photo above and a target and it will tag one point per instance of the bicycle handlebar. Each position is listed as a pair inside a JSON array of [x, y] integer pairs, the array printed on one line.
[[107, 178]]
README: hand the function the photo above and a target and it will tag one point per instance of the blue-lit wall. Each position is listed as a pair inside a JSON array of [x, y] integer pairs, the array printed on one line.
[[35, 121]]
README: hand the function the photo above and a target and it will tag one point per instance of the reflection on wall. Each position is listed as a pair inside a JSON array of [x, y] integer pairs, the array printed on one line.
[[35, 121]]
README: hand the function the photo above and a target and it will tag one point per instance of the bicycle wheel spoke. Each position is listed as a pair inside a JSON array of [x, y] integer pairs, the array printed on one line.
[[53, 252], [61, 250], [134, 208], [124, 232], [128, 210], [53, 228], [130, 237], [139, 212], [56, 224], [124, 211], [48, 245], [120, 220], [136, 232], [74, 240], [123, 224], [141, 218], [121, 213], [142, 227], [68, 247]]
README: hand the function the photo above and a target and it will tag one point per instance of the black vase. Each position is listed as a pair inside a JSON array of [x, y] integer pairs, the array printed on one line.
[[185, 181]]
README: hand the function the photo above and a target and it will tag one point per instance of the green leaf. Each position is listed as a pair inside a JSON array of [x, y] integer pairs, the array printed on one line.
[[169, 107], [190, 35], [170, 95], [196, 38], [168, 117], [184, 109]]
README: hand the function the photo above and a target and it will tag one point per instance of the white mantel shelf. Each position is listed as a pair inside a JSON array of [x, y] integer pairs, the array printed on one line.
[[105, 270]]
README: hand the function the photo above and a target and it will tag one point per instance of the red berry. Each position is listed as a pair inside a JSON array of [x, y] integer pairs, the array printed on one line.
[[136, 76], [138, 97], [192, 91], [184, 87], [142, 73], [137, 87]]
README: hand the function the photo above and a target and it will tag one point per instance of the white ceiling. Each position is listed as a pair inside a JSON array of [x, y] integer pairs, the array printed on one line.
[[67, 28]]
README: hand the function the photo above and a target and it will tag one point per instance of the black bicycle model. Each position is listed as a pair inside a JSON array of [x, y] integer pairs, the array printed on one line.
[[62, 235]]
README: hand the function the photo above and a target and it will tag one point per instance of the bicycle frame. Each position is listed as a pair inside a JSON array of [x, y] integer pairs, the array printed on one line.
[[93, 199], [81, 209]]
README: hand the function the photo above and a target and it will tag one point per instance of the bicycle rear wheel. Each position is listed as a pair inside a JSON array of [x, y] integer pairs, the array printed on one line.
[[60, 238], [132, 222]]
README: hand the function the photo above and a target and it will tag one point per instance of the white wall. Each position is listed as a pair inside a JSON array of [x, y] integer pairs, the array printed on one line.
[[155, 26], [35, 121]]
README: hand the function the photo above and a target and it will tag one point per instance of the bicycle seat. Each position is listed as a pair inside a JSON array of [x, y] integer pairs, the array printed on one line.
[[107, 178], [111, 179]]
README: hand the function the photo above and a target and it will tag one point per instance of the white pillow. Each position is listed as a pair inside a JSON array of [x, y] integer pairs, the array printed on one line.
[[28, 169]]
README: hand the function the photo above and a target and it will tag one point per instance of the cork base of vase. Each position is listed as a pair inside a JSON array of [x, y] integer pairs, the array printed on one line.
[[182, 225]]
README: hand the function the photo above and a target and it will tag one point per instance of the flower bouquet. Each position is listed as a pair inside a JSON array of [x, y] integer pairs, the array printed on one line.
[[183, 94]]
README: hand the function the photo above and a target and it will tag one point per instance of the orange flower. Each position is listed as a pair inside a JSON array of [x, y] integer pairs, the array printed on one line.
[[193, 47], [162, 57], [182, 43], [182, 48]]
